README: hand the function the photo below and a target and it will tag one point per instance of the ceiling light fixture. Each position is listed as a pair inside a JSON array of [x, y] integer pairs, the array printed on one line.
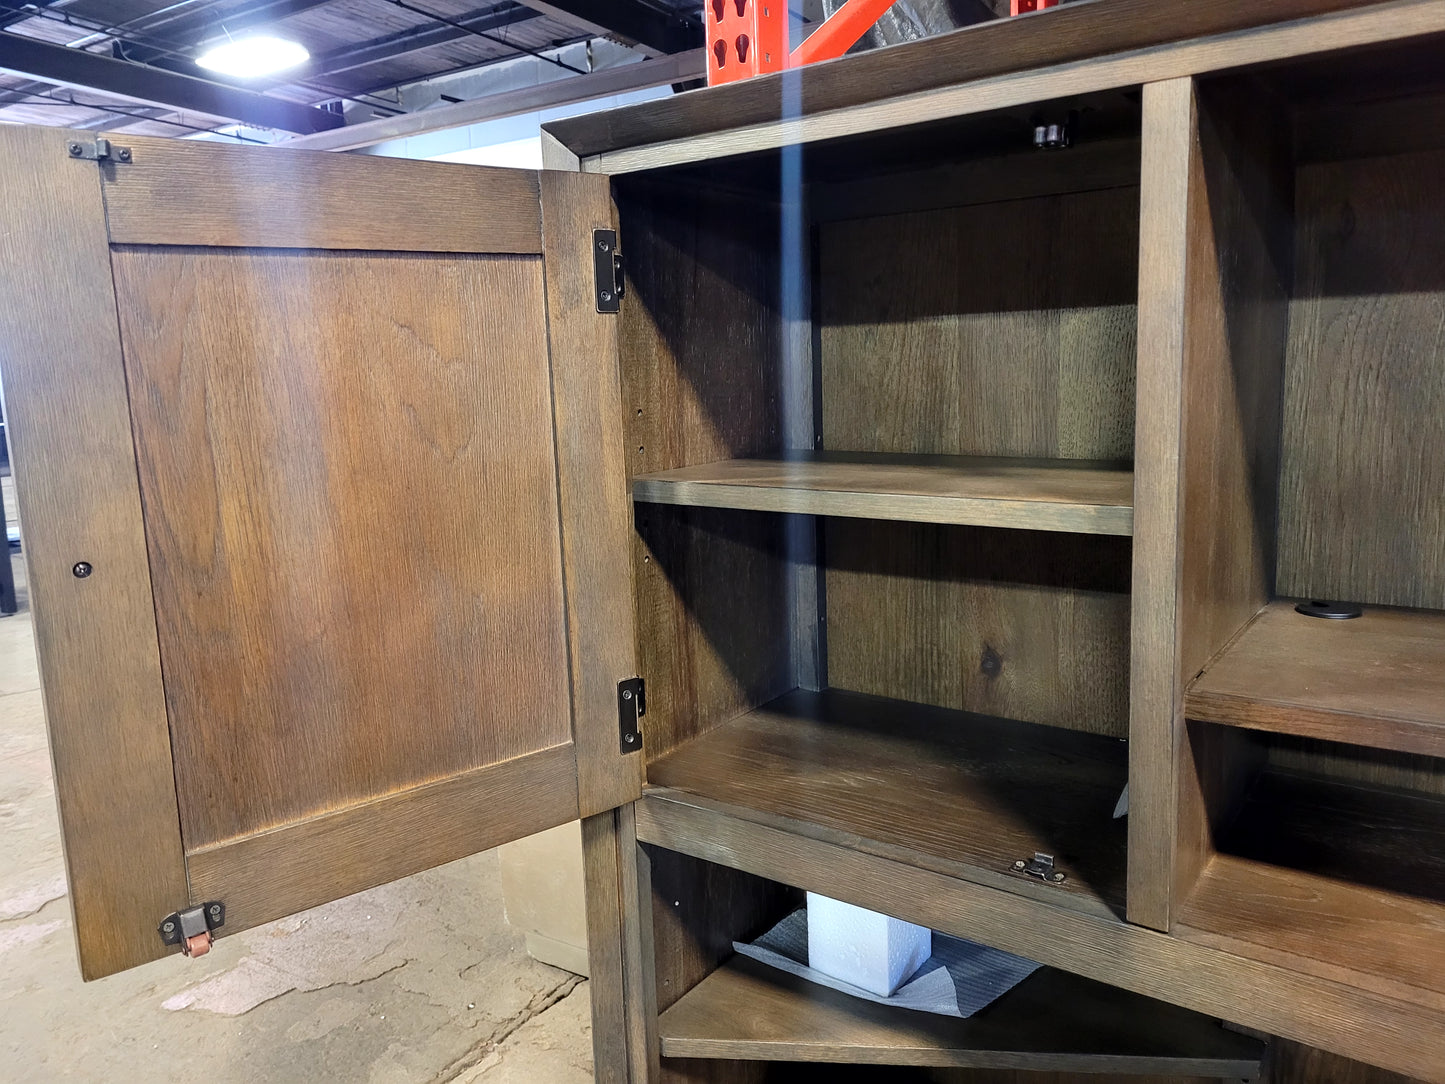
[[252, 58]]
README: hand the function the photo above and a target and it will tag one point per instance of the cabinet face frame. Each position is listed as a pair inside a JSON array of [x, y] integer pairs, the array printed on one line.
[[71, 227]]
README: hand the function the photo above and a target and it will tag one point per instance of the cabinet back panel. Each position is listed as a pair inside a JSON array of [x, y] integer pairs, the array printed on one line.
[[275, 453], [1362, 494], [994, 329], [1021, 624]]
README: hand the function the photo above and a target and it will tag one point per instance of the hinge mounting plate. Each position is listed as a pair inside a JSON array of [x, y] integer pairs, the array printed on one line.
[[607, 271], [191, 928], [631, 706], [102, 150], [1042, 867]]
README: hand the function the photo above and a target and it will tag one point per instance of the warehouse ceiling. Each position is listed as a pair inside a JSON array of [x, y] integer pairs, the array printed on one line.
[[130, 65]]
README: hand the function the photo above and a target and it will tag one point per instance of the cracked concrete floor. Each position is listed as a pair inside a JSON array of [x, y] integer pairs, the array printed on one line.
[[417, 982]]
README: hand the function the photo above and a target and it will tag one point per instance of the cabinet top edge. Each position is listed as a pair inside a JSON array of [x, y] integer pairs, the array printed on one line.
[[1077, 48]]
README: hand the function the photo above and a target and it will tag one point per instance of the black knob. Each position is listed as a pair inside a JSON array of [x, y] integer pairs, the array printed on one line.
[[82, 569]]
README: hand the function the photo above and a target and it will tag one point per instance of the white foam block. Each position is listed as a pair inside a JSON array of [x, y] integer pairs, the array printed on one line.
[[863, 947]]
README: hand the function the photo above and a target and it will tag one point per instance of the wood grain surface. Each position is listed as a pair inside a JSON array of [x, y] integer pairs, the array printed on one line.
[[941, 331], [602, 849], [1376, 680], [592, 477], [305, 863], [309, 664], [1334, 879], [1045, 495], [958, 793], [75, 480], [1362, 486], [1406, 1038], [1023, 624], [703, 353], [1051, 1022], [175, 193]]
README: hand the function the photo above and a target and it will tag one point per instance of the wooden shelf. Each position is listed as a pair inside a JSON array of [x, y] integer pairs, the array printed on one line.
[[1030, 494], [957, 793], [1376, 680], [1336, 879], [1052, 1021]]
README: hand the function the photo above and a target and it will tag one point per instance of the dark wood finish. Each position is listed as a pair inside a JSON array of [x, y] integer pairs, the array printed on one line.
[[962, 794], [592, 480], [268, 458], [1053, 1021], [986, 178], [940, 334], [1070, 33], [298, 865], [1026, 625], [1362, 511], [259, 197], [602, 847], [1338, 880], [1394, 1034], [1294, 1063], [1217, 218], [1376, 680], [703, 354], [75, 474], [1047, 495]]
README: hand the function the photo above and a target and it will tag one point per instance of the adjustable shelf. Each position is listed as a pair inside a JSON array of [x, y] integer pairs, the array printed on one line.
[[1074, 496], [961, 794], [1052, 1022], [1343, 880], [1376, 680]]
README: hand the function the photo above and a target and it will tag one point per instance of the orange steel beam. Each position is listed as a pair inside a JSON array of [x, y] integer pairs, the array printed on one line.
[[839, 33]]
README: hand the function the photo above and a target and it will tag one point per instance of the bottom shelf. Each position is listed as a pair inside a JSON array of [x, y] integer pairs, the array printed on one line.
[[1052, 1021], [1336, 879]]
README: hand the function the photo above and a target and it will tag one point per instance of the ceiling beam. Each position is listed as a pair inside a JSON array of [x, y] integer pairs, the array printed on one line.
[[349, 57], [510, 103], [655, 32], [75, 68], [195, 26]]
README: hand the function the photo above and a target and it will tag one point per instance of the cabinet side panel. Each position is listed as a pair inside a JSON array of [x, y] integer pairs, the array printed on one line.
[[1362, 499], [704, 355], [1239, 229], [69, 431]]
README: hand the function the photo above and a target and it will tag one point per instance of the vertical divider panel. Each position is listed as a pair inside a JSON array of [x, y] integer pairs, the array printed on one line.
[[1215, 246], [75, 465], [1154, 693], [596, 508]]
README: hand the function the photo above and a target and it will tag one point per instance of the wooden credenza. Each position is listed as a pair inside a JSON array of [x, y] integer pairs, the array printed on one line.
[[936, 485]]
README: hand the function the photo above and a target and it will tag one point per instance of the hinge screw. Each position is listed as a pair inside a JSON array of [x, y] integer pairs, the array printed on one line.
[[630, 739], [1019, 864], [74, 148], [603, 245], [216, 909], [626, 694], [82, 569], [169, 927], [606, 296], [123, 154]]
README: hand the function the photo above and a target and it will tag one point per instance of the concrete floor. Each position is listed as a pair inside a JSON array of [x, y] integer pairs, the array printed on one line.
[[417, 982]]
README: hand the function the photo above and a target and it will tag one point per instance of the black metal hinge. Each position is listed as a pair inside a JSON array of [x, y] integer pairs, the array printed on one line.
[[607, 270], [191, 928], [631, 706], [99, 151]]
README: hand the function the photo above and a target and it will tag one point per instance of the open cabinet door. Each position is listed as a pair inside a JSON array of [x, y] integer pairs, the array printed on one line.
[[321, 476]]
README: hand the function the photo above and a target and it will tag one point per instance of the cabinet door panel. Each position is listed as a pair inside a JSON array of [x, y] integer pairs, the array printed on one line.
[[338, 385]]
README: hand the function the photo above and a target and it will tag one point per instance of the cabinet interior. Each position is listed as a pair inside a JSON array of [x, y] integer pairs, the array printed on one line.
[[1317, 744], [880, 399]]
